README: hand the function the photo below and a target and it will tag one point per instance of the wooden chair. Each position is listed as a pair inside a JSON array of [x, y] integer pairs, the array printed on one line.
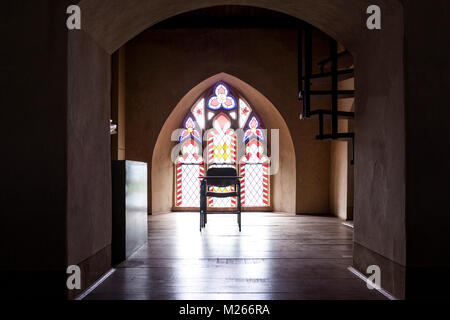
[[219, 177]]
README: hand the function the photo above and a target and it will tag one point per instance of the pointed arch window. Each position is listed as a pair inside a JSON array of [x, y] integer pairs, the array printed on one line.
[[222, 116]]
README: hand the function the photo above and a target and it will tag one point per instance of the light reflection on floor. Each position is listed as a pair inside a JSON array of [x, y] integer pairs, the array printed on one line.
[[276, 256]]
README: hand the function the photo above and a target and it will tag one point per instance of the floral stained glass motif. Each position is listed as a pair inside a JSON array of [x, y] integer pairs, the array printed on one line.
[[190, 131], [244, 113], [221, 99], [221, 123], [190, 153], [254, 152], [254, 130], [199, 113], [221, 142]]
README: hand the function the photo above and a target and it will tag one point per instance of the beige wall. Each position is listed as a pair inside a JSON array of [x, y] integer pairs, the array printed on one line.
[[89, 224], [163, 65], [89, 166], [341, 171], [338, 178], [350, 177]]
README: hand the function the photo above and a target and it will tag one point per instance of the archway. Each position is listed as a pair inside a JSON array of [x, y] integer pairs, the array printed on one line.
[[380, 116], [112, 23], [162, 170]]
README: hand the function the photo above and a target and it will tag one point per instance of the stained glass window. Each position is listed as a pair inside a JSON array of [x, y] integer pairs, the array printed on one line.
[[221, 153], [189, 168], [217, 113], [254, 130], [221, 99], [199, 113], [254, 170], [190, 131], [244, 113]]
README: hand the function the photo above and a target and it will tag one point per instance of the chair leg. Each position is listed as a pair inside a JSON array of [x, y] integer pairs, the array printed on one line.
[[204, 219], [201, 214], [202, 204], [239, 204]]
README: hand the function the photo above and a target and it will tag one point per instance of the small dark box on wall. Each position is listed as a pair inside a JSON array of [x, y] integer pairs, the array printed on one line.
[[129, 208]]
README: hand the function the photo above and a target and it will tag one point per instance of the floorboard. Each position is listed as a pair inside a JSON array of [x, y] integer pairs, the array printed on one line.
[[276, 256]]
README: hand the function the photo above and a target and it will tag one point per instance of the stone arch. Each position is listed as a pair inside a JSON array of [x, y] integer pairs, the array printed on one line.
[[379, 82], [283, 183], [112, 23]]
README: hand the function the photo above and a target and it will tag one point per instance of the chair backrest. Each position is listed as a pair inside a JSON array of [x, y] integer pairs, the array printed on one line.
[[222, 172]]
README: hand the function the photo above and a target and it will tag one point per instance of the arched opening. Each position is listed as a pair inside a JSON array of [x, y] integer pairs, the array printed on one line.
[[163, 179], [379, 102]]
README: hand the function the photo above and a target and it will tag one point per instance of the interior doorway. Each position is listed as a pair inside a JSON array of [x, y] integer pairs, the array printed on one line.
[[341, 23]]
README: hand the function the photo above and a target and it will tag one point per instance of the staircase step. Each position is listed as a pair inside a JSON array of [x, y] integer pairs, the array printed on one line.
[[325, 82], [327, 113], [329, 92], [348, 73], [348, 136], [314, 94], [345, 61]]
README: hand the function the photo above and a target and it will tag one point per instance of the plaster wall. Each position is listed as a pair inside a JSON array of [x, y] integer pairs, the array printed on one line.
[[118, 104], [341, 171], [380, 135], [338, 178], [89, 149]]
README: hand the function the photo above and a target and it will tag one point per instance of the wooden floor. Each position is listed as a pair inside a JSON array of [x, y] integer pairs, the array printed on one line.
[[276, 256]]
